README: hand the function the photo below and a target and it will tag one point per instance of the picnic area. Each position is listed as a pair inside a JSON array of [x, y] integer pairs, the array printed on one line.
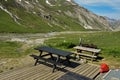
[[58, 60], [53, 64]]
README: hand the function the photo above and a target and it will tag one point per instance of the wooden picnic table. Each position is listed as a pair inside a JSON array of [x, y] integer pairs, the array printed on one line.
[[94, 52], [50, 52]]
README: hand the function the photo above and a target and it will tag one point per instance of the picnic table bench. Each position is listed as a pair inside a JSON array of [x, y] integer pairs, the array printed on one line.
[[52, 60], [94, 52], [45, 60]]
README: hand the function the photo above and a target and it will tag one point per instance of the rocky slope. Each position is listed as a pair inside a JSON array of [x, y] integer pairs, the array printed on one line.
[[50, 15], [115, 24]]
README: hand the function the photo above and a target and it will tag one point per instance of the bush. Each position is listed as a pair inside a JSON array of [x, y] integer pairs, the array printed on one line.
[[66, 45]]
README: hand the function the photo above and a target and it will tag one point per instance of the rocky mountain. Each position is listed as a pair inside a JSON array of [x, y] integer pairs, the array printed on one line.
[[115, 24], [48, 15]]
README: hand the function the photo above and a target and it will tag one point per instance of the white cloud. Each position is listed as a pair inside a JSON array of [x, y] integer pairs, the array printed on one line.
[[97, 1], [115, 4], [91, 1]]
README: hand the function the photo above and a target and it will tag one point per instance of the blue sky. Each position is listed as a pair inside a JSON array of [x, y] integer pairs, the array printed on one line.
[[109, 8]]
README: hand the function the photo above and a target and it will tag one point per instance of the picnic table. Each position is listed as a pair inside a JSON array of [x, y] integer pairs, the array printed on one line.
[[93, 52], [51, 51]]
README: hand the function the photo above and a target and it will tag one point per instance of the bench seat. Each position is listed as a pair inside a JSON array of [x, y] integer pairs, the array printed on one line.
[[42, 59], [86, 55]]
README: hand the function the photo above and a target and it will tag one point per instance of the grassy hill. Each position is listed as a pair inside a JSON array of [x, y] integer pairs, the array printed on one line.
[[32, 23], [38, 16]]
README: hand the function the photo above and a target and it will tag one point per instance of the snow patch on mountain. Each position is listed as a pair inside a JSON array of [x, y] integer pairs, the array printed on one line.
[[49, 3], [68, 0], [87, 27]]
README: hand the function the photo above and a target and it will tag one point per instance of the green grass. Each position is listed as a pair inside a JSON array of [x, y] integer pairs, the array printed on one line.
[[107, 41], [8, 25], [10, 49], [14, 49], [32, 23]]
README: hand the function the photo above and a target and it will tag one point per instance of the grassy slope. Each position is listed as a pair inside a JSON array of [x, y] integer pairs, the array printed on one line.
[[9, 49], [61, 16], [7, 24], [31, 23]]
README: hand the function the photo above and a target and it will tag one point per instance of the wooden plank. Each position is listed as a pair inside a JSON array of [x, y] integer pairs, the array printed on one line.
[[90, 70], [5, 74], [81, 67], [58, 74], [87, 55], [87, 49], [85, 70], [94, 73], [99, 77], [44, 69], [71, 69], [43, 72], [52, 76], [30, 73], [39, 74], [82, 70], [21, 73], [13, 73]]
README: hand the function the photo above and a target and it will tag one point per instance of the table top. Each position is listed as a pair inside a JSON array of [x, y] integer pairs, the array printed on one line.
[[87, 49], [54, 51], [112, 75]]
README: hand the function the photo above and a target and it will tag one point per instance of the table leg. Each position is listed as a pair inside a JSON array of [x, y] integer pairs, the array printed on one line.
[[79, 51], [54, 67], [58, 58], [40, 53], [56, 62], [36, 62], [68, 60], [51, 56], [38, 59]]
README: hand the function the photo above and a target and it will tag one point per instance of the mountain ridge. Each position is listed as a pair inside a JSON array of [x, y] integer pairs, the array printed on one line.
[[52, 15], [114, 23]]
